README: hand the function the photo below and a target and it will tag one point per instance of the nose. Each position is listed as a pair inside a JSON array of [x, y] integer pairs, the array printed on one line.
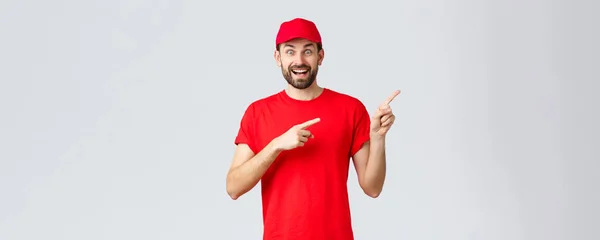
[[298, 59]]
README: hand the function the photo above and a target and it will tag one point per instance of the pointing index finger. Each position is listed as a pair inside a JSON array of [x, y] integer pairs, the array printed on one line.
[[390, 98], [309, 123]]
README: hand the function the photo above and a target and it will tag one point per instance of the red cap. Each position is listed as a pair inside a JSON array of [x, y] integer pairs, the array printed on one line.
[[298, 28]]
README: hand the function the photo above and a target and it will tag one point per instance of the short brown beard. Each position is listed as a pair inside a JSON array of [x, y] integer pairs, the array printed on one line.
[[303, 83]]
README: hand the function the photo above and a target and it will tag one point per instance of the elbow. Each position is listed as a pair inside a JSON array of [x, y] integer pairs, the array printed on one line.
[[231, 191], [373, 193], [234, 195], [235, 189]]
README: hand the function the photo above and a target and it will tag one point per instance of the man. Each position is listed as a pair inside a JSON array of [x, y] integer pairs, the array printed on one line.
[[298, 144]]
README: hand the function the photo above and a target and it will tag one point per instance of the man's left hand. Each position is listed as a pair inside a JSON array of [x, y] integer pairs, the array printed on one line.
[[384, 118]]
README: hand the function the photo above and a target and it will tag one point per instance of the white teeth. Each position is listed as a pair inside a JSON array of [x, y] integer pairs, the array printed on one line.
[[299, 71]]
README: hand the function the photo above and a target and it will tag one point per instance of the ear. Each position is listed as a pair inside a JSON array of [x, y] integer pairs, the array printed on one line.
[[277, 57], [321, 56]]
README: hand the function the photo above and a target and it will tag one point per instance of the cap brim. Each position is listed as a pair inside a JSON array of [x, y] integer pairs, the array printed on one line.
[[290, 38]]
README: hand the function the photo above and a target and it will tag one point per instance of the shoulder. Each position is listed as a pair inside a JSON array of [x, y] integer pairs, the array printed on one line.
[[349, 107], [345, 99], [260, 103]]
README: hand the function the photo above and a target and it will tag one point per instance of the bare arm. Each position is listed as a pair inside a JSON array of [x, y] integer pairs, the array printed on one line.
[[247, 169], [370, 160], [370, 165]]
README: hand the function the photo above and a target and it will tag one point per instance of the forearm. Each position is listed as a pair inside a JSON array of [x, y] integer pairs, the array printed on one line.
[[375, 170], [244, 177]]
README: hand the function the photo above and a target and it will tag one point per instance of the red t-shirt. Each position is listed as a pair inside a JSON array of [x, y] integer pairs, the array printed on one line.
[[304, 192]]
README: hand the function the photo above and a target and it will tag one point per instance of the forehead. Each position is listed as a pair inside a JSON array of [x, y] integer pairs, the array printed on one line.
[[298, 43]]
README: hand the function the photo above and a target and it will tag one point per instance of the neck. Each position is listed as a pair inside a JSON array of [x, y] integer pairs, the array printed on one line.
[[306, 94]]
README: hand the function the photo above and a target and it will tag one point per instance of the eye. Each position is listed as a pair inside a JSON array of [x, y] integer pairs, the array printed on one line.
[[307, 52], [289, 52]]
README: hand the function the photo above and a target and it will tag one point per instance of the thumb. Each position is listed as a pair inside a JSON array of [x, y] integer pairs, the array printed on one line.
[[380, 112], [376, 119]]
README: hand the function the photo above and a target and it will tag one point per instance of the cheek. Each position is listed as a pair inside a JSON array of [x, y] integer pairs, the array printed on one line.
[[316, 60], [315, 64], [284, 63]]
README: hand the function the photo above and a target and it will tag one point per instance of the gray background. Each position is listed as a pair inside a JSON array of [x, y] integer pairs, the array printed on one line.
[[118, 117]]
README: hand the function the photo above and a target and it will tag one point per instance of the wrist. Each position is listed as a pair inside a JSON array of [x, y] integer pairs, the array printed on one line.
[[274, 146], [375, 137]]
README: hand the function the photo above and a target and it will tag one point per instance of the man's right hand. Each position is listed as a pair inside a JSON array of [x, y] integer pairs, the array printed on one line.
[[296, 136]]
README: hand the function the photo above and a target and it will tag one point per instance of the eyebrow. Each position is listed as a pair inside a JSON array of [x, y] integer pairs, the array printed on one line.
[[305, 46]]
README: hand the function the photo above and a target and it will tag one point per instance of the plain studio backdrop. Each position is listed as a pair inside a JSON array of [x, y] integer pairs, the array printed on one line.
[[118, 117]]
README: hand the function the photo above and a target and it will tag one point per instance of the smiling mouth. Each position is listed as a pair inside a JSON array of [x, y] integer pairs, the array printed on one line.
[[299, 71]]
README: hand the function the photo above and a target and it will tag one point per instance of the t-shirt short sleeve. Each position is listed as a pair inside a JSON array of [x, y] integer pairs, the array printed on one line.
[[361, 127], [246, 129]]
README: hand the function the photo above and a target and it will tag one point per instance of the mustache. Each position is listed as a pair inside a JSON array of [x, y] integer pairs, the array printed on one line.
[[299, 66]]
